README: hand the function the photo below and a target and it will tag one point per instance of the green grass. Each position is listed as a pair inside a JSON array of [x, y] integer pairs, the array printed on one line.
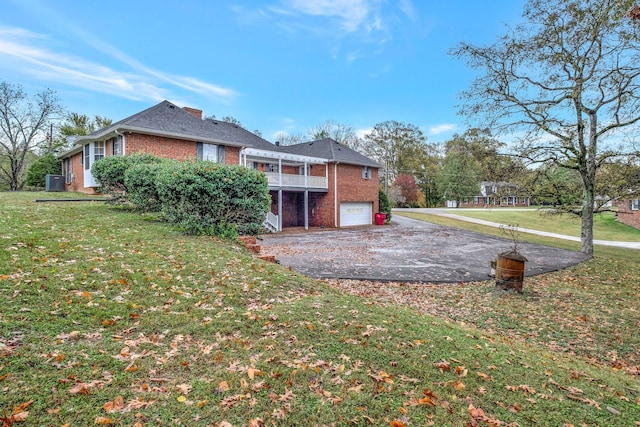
[[605, 226], [112, 317]]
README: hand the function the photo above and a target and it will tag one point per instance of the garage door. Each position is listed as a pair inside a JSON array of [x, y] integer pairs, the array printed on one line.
[[352, 213]]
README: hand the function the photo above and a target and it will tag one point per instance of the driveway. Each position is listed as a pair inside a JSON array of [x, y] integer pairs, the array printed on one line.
[[406, 251]]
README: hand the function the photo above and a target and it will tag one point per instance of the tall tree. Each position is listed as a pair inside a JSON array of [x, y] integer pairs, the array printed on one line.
[[398, 147], [460, 175], [568, 76], [344, 134], [76, 124], [340, 132], [23, 126]]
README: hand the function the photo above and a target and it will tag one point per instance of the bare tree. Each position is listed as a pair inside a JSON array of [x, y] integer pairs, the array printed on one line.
[[568, 76], [399, 147], [340, 132], [23, 126]]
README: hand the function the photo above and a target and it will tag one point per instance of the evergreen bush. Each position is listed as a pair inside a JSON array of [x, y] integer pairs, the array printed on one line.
[[383, 204], [38, 171], [213, 199], [110, 173]]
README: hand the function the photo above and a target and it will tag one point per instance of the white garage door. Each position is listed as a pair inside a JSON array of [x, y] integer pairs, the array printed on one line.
[[352, 213]]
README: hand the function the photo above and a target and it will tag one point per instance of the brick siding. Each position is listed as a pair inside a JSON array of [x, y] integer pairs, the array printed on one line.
[[626, 215]]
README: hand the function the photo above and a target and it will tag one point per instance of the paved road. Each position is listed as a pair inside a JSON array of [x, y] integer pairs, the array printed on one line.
[[407, 251], [447, 213]]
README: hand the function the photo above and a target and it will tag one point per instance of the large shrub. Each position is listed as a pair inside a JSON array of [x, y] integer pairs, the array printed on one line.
[[110, 173], [140, 181], [38, 171], [214, 199]]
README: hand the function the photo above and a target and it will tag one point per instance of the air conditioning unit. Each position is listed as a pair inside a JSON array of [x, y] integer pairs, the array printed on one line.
[[54, 183]]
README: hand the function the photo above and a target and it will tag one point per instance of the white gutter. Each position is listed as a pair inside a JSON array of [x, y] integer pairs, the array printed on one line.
[[335, 194]]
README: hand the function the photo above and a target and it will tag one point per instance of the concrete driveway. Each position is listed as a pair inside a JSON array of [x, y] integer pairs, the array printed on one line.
[[406, 251]]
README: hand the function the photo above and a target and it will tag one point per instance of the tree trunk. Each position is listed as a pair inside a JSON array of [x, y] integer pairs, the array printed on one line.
[[586, 229]]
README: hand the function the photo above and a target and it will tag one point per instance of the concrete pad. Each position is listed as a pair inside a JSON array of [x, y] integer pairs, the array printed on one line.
[[409, 251]]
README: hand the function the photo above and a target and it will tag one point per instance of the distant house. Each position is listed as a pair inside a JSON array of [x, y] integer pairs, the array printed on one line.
[[629, 212], [493, 194], [314, 184]]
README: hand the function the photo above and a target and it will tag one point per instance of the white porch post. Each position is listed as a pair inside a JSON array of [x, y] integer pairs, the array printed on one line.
[[306, 209], [280, 171], [306, 175], [280, 210]]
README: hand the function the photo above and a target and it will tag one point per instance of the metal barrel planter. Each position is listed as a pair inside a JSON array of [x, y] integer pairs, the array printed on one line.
[[510, 271]]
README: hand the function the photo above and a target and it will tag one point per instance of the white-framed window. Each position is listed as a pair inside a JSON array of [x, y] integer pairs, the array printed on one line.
[[87, 156], [271, 168], [210, 152], [366, 172], [98, 150], [635, 205], [476, 200], [116, 146]]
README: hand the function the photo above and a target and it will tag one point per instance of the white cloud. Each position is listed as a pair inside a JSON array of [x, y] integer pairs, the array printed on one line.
[[442, 128], [350, 13], [22, 50], [363, 131], [354, 22]]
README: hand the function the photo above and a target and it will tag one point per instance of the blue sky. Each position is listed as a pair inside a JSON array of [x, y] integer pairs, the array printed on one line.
[[275, 65]]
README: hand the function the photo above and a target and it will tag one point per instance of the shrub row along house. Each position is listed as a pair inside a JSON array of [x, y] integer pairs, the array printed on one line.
[[315, 184]]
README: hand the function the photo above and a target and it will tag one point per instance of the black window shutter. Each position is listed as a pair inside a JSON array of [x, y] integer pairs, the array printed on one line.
[[199, 151]]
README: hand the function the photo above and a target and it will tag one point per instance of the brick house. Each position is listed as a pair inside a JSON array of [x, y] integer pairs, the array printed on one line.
[[493, 194], [315, 184], [629, 212]]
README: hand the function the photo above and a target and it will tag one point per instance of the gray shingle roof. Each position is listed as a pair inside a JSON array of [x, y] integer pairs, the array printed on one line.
[[168, 119], [330, 149]]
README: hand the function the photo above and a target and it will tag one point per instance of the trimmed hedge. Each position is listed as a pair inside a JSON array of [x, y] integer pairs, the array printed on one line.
[[110, 173], [140, 181], [213, 199]]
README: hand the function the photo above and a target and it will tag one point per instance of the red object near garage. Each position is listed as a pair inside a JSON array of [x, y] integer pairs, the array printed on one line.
[[380, 217]]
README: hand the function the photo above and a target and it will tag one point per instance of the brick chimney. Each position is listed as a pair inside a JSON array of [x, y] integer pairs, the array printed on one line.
[[193, 111]]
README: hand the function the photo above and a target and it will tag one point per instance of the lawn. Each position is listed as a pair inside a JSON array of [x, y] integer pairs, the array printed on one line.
[[605, 226], [113, 318]]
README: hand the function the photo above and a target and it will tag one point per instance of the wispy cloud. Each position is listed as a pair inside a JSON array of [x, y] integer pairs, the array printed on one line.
[[351, 14], [442, 128], [23, 50], [361, 22]]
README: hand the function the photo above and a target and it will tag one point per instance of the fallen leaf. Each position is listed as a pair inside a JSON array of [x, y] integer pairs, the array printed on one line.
[[116, 405]]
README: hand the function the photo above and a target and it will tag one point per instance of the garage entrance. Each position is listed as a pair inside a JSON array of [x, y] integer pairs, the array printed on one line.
[[355, 213]]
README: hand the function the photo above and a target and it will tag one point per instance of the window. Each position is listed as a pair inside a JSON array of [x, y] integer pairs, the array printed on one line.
[[68, 170], [98, 150], [87, 156], [271, 168], [301, 170], [635, 205], [116, 146], [210, 152], [366, 172], [476, 200]]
